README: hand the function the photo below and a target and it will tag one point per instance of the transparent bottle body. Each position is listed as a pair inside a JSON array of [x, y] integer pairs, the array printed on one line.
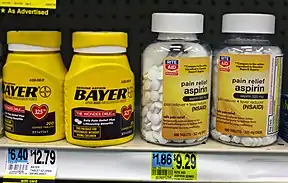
[[1, 110], [243, 45], [167, 46]]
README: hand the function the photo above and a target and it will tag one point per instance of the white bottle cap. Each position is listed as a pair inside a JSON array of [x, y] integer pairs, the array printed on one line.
[[177, 23], [248, 23]]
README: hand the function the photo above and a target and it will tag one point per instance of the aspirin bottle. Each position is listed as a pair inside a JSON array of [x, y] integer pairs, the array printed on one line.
[[246, 82], [176, 74]]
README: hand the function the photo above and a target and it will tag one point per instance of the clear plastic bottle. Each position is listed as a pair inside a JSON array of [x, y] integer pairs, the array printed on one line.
[[1, 97], [246, 82], [176, 82]]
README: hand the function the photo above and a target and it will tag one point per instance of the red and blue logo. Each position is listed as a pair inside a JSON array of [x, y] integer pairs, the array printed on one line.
[[224, 63], [171, 67]]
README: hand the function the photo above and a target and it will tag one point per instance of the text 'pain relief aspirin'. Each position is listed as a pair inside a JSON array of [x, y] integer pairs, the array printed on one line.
[[246, 82], [176, 82]]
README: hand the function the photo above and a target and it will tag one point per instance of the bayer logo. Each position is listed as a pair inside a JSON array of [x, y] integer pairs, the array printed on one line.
[[45, 91]]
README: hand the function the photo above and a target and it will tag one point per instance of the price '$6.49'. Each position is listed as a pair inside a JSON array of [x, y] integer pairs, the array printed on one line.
[[174, 166]]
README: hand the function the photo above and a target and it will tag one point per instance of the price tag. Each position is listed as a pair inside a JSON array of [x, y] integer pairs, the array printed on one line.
[[31, 164], [174, 166]]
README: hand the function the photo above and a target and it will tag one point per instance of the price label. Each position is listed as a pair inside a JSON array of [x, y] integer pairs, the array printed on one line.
[[27, 163], [17, 156], [43, 157], [174, 166]]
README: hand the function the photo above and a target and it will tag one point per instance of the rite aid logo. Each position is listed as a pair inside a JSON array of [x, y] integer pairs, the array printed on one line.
[[224, 63], [171, 67]]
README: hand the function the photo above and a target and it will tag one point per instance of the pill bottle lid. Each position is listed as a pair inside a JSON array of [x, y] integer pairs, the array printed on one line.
[[248, 23], [100, 42], [177, 23], [34, 40]]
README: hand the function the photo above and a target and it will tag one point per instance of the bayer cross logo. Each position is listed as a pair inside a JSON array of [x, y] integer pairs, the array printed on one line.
[[45, 91]]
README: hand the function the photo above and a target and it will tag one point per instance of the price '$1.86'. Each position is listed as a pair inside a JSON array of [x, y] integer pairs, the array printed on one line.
[[181, 160]]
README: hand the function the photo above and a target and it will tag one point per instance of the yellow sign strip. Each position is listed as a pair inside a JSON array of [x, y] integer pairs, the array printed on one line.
[[45, 4]]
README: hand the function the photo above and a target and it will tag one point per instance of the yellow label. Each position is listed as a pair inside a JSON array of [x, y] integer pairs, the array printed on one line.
[[46, 4], [174, 166], [248, 88], [33, 99], [186, 90], [27, 179], [99, 101]]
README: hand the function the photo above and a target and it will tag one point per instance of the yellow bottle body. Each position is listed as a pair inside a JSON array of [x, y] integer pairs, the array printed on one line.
[[99, 100], [33, 96]]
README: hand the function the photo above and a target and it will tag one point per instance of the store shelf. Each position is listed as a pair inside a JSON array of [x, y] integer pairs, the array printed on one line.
[[132, 161], [139, 145]]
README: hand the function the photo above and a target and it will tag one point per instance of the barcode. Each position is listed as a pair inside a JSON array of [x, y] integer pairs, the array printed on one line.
[[162, 172], [17, 167]]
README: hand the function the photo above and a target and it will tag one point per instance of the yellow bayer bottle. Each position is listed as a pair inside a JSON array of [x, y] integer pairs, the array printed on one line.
[[99, 91], [33, 78]]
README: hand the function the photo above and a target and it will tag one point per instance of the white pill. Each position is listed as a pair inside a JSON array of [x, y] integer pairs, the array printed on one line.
[[147, 95], [215, 134], [259, 142], [158, 105], [154, 96], [158, 136], [152, 108], [161, 98], [247, 141], [144, 111], [145, 120], [190, 141], [144, 100], [149, 115], [155, 85], [149, 105], [155, 119], [160, 73], [152, 73], [201, 138], [225, 138], [266, 140], [160, 89], [236, 139], [149, 137], [254, 142], [156, 111], [178, 141], [147, 126], [147, 84], [145, 76], [156, 127]]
